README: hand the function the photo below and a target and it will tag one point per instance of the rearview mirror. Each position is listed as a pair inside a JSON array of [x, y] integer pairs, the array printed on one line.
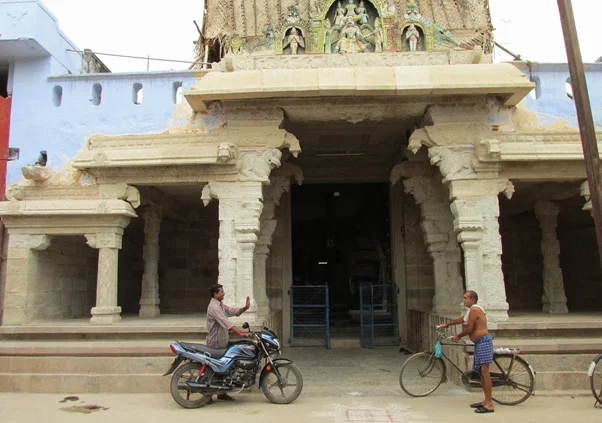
[[245, 325]]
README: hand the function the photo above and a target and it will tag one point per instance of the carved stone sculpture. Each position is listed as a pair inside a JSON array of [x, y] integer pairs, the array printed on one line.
[[339, 15], [294, 40], [413, 37], [350, 38], [257, 166]]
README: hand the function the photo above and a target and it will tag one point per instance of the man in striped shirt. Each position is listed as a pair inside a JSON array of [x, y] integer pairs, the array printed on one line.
[[219, 326]]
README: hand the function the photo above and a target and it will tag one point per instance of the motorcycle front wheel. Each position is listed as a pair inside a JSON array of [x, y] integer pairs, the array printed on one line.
[[182, 393], [289, 390]]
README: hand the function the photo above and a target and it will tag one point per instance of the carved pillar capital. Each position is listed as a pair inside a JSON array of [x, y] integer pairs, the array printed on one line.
[[586, 195], [121, 191], [104, 240], [257, 165], [33, 242]]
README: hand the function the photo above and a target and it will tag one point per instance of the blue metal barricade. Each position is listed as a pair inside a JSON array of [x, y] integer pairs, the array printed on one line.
[[379, 324], [309, 316]]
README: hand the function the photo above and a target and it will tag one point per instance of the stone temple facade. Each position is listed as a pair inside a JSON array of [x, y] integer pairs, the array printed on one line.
[[144, 207]]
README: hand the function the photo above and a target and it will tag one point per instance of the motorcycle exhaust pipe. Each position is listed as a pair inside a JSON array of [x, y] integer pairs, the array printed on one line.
[[205, 387]]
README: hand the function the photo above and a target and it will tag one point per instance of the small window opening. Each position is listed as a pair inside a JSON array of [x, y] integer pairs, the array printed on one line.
[[57, 95], [569, 88], [137, 92], [177, 94], [96, 94]]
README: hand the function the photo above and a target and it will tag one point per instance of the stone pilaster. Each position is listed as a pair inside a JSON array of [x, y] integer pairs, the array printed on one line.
[[108, 244], [440, 239], [149, 297], [554, 298], [240, 208], [21, 273], [271, 199], [475, 208]]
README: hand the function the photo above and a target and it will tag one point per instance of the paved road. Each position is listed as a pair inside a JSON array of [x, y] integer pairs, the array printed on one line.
[[447, 405]]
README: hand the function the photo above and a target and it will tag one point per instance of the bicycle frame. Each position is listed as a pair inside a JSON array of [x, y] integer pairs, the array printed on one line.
[[497, 378]]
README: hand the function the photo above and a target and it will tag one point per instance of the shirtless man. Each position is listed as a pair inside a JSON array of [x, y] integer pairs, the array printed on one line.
[[475, 326]]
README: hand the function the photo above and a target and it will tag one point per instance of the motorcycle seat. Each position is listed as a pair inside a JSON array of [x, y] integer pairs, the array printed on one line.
[[215, 353]]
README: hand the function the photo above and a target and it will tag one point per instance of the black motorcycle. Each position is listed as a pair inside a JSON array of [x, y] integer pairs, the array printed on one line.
[[203, 371]]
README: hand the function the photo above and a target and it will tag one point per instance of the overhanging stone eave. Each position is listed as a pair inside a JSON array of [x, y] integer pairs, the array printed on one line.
[[35, 209], [502, 80], [523, 147]]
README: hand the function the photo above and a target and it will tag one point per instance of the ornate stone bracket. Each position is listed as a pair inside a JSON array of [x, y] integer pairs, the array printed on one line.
[[586, 194], [33, 242], [257, 165], [121, 192], [453, 163]]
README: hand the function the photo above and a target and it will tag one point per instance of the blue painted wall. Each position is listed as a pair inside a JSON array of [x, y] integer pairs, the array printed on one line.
[[37, 124], [553, 104]]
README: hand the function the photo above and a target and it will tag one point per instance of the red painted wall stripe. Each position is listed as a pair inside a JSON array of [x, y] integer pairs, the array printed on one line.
[[5, 106]]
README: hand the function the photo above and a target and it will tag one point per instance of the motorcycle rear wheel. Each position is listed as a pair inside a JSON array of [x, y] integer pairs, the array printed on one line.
[[283, 395], [182, 393]]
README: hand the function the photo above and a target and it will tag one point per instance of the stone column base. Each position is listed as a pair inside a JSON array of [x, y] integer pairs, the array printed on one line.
[[149, 310], [105, 315], [558, 308]]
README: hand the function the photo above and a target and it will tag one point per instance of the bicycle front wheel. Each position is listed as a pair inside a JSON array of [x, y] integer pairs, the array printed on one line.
[[595, 378], [513, 380], [421, 374]]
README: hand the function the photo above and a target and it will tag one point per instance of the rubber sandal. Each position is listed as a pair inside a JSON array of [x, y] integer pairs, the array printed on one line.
[[483, 410], [476, 405]]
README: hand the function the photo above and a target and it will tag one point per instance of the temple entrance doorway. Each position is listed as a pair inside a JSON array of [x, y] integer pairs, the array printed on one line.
[[340, 240]]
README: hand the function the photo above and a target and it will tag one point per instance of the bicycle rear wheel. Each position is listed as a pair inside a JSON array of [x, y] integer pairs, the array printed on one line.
[[511, 386], [595, 378], [421, 374]]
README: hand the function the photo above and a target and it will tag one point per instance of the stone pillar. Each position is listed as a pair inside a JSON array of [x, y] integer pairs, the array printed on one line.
[[240, 208], [440, 239], [149, 297], [554, 298], [271, 199], [247, 229], [21, 275], [108, 244], [475, 208]]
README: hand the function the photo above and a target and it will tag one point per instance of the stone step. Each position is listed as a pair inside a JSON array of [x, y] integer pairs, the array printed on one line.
[[85, 365], [83, 383], [552, 345], [88, 348]]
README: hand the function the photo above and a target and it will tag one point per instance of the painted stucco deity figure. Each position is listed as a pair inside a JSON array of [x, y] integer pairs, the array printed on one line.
[[294, 40], [339, 15], [350, 7], [378, 36], [413, 37], [362, 12], [327, 37], [349, 41]]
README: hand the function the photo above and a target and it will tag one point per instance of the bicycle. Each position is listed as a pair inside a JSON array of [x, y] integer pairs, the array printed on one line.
[[595, 379], [508, 371]]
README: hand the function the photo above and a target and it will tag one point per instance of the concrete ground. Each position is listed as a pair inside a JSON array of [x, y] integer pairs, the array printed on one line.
[[343, 385]]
